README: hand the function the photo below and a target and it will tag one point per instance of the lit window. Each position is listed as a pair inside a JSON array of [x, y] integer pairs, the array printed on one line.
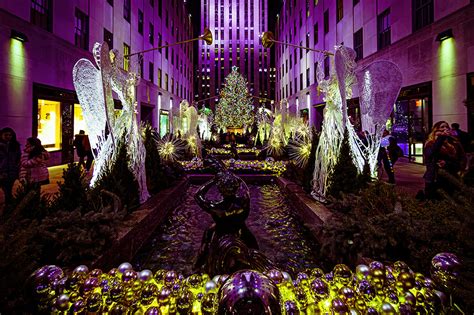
[[79, 122], [126, 61], [49, 124]]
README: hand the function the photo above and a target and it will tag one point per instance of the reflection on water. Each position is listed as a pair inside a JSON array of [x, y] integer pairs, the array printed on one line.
[[281, 237]]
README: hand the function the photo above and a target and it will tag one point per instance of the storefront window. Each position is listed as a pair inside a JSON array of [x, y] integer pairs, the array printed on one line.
[[49, 124], [79, 122], [410, 126], [164, 123]]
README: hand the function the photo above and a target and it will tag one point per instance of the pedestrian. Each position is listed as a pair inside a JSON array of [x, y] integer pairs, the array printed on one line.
[[442, 153], [88, 152], [390, 155], [10, 154], [33, 169], [463, 137], [78, 144]]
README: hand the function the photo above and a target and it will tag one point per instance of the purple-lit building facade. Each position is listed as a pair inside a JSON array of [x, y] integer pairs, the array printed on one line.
[[438, 76], [36, 89], [236, 26]]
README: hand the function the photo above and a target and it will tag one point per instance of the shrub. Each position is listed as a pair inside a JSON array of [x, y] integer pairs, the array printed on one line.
[[381, 225]]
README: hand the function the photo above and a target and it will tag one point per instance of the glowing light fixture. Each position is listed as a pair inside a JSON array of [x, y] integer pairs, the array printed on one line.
[[18, 36], [444, 35]]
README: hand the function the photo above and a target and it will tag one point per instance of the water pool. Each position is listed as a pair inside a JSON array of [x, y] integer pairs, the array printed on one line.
[[281, 236]]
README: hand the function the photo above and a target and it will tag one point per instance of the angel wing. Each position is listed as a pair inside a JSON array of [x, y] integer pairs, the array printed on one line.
[[88, 84], [345, 64], [379, 84]]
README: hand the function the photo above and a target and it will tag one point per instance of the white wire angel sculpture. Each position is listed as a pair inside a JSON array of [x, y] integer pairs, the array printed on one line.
[[107, 126], [379, 84]]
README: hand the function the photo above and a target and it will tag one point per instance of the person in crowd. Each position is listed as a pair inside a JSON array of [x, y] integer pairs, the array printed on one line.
[[444, 152], [88, 151], [77, 143], [83, 150], [388, 156], [33, 169], [463, 137], [10, 154], [394, 150]]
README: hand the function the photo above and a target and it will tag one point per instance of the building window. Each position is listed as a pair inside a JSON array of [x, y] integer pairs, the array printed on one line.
[[140, 22], [316, 35], [49, 124], [354, 2], [172, 85], [126, 61], [422, 13], [151, 36], [359, 44], [151, 71], [79, 122], [81, 30], [166, 81], [326, 21], [326, 67], [41, 14], [111, 2], [383, 29], [159, 78], [301, 81], [109, 38], [127, 10], [160, 7], [339, 10]]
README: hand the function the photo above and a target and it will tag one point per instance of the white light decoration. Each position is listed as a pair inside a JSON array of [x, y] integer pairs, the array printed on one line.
[[159, 112], [308, 102], [379, 84], [94, 88], [297, 108], [170, 148], [205, 121]]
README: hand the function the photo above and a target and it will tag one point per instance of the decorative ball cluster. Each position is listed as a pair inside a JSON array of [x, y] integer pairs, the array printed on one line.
[[373, 289]]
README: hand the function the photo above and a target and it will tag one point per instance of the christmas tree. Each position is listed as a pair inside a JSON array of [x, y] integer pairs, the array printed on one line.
[[235, 105]]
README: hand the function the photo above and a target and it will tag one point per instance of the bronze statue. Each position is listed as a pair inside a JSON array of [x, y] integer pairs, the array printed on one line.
[[227, 245]]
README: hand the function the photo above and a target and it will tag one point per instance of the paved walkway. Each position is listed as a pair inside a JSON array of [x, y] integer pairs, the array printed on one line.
[[409, 179]]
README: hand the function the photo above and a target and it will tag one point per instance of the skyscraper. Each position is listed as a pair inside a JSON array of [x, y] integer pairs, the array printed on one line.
[[236, 26]]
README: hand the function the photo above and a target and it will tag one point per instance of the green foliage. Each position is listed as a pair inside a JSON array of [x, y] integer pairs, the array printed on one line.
[[119, 180], [381, 225], [154, 174], [343, 179], [73, 190], [27, 202], [235, 105], [365, 178], [37, 232]]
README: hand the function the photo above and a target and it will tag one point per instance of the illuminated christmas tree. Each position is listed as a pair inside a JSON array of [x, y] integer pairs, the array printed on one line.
[[235, 107]]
